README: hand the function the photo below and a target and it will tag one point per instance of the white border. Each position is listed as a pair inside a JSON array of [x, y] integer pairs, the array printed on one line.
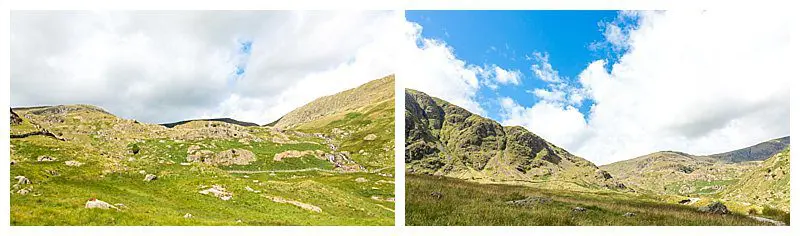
[[399, 112]]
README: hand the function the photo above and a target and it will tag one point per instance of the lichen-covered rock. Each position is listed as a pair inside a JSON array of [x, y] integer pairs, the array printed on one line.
[[45, 158], [73, 163], [150, 177], [22, 180], [715, 208]]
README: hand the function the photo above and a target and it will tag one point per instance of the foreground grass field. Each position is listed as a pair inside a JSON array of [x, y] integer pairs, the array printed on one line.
[[441, 201]]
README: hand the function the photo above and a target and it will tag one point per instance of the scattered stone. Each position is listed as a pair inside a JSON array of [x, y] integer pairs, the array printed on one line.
[[13, 162], [73, 163], [142, 172], [255, 181], [629, 214], [121, 206], [578, 209], [45, 159], [248, 188], [22, 180], [150, 177], [530, 201], [370, 137], [95, 203], [246, 176], [715, 208], [52, 172], [437, 195], [187, 216], [23, 191], [361, 180], [218, 191], [296, 203], [238, 221]]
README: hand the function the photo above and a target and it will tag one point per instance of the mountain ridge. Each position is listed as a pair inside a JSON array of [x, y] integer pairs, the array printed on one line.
[[444, 139]]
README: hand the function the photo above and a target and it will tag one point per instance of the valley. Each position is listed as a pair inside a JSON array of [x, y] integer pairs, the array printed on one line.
[[484, 173]]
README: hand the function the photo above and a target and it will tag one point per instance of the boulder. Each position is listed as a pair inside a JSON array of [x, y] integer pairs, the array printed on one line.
[[437, 195], [45, 158], [95, 203], [715, 208], [370, 137], [188, 215], [361, 180], [23, 191], [578, 209], [629, 214], [73, 163], [218, 191], [150, 177], [22, 180]]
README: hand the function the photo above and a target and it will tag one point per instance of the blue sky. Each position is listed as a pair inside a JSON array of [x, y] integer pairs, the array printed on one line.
[[508, 39]]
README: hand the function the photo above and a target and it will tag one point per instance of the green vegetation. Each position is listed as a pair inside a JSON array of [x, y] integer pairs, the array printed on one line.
[[160, 176], [469, 203]]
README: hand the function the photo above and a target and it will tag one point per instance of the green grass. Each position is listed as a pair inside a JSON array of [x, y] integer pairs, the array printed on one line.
[[468, 203]]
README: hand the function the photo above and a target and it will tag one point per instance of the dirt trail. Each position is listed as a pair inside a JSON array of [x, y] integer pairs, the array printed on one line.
[[280, 171]]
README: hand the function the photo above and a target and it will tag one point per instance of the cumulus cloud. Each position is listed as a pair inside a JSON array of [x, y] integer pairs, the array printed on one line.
[[168, 66], [700, 82]]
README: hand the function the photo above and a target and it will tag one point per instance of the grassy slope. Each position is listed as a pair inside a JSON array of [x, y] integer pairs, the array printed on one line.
[[468, 203], [111, 173]]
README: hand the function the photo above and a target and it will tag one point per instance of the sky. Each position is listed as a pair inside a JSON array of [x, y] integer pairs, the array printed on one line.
[[167, 66], [614, 85], [604, 85]]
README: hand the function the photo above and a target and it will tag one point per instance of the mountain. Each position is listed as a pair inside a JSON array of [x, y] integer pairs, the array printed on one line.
[[331, 169], [444, 139], [223, 120], [758, 152], [370, 93], [677, 173], [766, 185]]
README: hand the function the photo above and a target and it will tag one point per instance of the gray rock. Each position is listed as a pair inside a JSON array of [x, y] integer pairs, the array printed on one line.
[[370, 137], [45, 158], [22, 180], [23, 191], [715, 208], [150, 177], [578, 209], [361, 180], [629, 214], [188, 215], [437, 195]]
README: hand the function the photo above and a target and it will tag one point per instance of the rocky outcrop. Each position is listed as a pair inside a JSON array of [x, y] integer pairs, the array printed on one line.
[[15, 120], [229, 157], [715, 208]]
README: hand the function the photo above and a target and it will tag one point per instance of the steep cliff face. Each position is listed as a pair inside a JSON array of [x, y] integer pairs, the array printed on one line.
[[444, 139]]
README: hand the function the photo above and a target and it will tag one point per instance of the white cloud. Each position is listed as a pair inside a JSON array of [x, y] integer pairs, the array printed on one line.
[[699, 82], [507, 77], [168, 66], [543, 70]]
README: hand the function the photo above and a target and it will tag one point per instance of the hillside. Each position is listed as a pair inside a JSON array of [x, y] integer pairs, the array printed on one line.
[[201, 172], [677, 173], [758, 152], [370, 93], [766, 185], [223, 120], [444, 139], [685, 174]]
